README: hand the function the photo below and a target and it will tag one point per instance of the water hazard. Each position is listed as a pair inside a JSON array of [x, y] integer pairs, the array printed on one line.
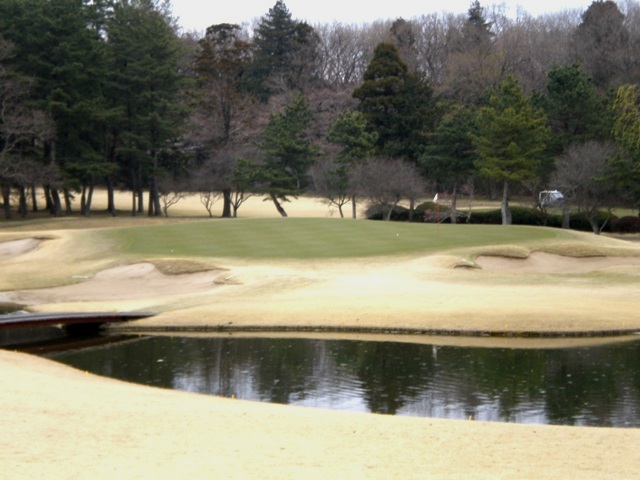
[[594, 386]]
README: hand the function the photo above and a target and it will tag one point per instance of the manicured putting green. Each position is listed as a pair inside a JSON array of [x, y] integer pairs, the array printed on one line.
[[314, 238]]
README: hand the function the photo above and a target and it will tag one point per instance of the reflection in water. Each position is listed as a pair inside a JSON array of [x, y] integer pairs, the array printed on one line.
[[574, 386]]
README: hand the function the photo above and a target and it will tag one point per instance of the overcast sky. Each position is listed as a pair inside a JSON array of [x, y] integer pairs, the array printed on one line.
[[199, 14]]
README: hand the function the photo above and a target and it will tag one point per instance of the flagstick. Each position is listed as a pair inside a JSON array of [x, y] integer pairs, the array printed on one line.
[[438, 218], [435, 199]]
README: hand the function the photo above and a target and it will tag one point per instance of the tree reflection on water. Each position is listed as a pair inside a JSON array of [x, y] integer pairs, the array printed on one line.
[[597, 386]]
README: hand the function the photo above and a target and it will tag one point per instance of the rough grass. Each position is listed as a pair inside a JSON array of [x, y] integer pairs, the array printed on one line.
[[315, 238]]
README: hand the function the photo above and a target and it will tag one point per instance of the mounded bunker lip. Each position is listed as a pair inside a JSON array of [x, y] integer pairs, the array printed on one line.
[[542, 262]]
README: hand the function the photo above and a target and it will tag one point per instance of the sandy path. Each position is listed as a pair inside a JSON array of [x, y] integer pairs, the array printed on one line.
[[61, 423]]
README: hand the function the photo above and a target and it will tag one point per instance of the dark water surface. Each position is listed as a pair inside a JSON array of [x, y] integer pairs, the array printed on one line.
[[595, 386]]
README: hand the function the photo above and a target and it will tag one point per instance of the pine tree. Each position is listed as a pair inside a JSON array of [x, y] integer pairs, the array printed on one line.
[[576, 111], [288, 152], [449, 157], [350, 133], [511, 139], [145, 88], [398, 105], [222, 105], [284, 54], [58, 46]]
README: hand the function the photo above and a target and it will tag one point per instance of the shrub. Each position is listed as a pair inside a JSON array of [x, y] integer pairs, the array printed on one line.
[[626, 224], [431, 213], [579, 221], [526, 216], [486, 217], [375, 212]]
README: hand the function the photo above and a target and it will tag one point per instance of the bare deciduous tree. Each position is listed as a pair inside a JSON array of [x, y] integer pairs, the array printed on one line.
[[581, 173], [330, 184], [386, 182], [171, 191]]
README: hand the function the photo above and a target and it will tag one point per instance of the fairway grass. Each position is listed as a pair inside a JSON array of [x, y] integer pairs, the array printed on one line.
[[306, 238]]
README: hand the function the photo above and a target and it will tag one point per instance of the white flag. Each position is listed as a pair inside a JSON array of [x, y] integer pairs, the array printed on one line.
[[435, 199]]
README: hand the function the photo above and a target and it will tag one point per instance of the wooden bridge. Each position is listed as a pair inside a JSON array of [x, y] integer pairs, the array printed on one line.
[[47, 332], [68, 319]]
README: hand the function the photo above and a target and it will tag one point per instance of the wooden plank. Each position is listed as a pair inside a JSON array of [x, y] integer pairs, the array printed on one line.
[[68, 318]]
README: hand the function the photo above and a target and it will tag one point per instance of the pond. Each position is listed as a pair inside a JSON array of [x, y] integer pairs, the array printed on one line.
[[590, 385]]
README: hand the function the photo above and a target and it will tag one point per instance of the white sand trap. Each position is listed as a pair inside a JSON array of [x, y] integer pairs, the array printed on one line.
[[130, 282], [18, 247], [539, 262]]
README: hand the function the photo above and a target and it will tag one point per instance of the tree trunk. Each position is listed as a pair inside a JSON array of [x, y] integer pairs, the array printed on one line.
[[56, 204], [87, 197], [83, 198], [353, 207], [151, 204], [34, 198], [139, 190], [506, 213], [22, 209], [226, 206], [155, 209], [566, 217], [140, 200], [111, 204], [68, 210], [281, 210], [454, 203], [6, 199], [48, 200]]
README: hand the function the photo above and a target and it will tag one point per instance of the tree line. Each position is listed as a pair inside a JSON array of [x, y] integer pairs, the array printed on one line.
[[111, 93]]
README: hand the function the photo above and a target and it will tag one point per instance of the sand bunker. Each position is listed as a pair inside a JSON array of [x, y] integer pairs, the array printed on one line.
[[539, 262], [18, 247], [141, 280]]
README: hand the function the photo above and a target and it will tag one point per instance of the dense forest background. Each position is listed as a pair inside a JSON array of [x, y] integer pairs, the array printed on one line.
[[111, 94]]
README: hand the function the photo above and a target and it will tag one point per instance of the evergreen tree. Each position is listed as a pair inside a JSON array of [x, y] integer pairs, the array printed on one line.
[[626, 108], [220, 64], [145, 88], [22, 132], [511, 139], [626, 131], [475, 65], [222, 105], [59, 46], [350, 133], [477, 30], [284, 54], [576, 111], [288, 152], [399, 106], [600, 44], [449, 157]]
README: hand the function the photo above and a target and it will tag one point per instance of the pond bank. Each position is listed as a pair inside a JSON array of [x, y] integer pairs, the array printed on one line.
[[62, 423]]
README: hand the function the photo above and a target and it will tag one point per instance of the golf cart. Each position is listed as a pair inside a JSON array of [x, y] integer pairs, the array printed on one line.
[[550, 199]]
